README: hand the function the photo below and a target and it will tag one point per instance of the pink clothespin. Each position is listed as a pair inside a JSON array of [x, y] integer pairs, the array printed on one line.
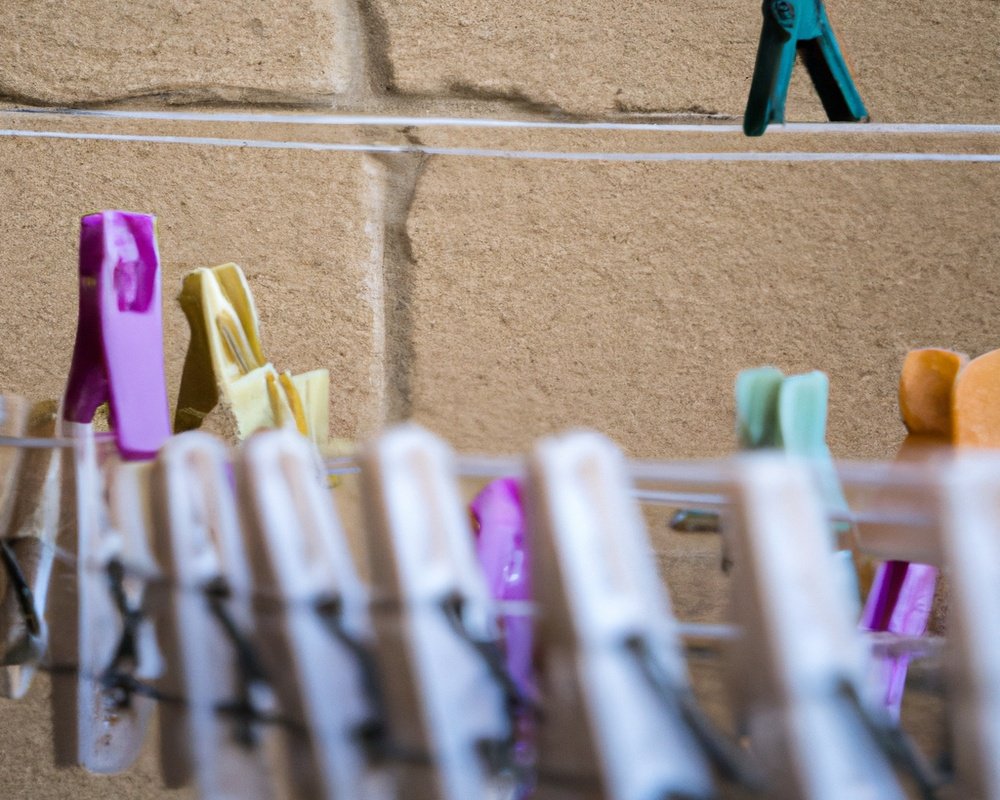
[[118, 356], [498, 513]]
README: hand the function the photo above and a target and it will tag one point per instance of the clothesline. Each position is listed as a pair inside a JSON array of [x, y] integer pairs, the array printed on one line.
[[867, 129], [529, 155]]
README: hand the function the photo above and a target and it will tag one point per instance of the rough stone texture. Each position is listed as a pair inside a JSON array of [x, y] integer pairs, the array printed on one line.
[[58, 52], [276, 213], [913, 61], [626, 297]]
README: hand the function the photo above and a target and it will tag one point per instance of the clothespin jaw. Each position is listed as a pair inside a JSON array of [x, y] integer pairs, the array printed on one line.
[[215, 737], [118, 356], [798, 671], [803, 27], [319, 634], [970, 537], [434, 628], [613, 674]]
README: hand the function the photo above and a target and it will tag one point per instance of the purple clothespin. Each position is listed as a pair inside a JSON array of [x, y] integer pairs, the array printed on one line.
[[118, 356], [503, 555], [899, 602]]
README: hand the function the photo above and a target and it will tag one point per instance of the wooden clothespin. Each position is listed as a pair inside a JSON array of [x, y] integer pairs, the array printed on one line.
[[902, 592], [214, 693], [619, 716], [98, 722], [970, 543], [798, 671], [313, 612], [799, 27], [22, 631], [449, 734], [225, 362]]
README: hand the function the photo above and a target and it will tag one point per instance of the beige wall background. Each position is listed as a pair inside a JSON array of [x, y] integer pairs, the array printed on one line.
[[496, 300]]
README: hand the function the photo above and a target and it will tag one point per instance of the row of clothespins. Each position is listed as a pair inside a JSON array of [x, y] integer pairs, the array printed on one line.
[[539, 656]]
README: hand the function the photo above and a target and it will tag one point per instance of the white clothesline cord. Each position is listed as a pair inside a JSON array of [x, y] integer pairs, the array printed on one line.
[[535, 155], [911, 128]]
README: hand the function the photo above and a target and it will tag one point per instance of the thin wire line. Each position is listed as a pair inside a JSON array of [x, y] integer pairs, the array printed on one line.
[[529, 155], [267, 602], [892, 128]]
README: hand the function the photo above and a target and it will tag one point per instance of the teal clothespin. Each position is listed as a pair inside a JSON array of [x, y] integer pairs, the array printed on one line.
[[799, 26]]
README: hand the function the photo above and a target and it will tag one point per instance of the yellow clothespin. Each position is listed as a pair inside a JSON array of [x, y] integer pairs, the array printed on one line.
[[226, 367]]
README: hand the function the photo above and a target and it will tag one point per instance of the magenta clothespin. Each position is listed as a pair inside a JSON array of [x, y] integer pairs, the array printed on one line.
[[118, 356], [503, 555], [899, 602]]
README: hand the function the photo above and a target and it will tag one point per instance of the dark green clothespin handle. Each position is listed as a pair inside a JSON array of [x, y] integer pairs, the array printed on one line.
[[801, 26]]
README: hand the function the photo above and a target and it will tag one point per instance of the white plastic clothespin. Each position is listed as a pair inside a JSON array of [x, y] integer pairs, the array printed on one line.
[[210, 731], [444, 708], [613, 674], [313, 612], [970, 514], [799, 669]]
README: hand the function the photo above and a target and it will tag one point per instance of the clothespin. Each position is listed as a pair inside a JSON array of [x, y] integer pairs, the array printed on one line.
[[902, 592], [975, 418], [118, 356], [798, 671], [22, 632], [96, 637], [215, 696], [449, 731], [802, 27], [970, 499], [802, 414], [225, 361], [619, 719], [502, 549], [101, 646], [319, 635]]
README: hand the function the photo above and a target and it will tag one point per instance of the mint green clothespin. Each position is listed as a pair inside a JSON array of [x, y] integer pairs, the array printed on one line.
[[757, 393], [802, 415]]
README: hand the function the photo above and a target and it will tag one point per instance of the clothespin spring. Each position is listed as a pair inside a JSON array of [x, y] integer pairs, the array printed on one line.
[[120, 684], [895, 743], [372, 732], [728, 757], [253, 684], [22, 589]]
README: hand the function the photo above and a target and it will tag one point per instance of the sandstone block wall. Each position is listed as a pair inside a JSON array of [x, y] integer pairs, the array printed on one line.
[[497, 299]]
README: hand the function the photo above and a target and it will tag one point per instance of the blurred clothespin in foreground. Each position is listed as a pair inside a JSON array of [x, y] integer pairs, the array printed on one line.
[[216, 698], [226, 368], [799, 27], [450, 704], [902, 592], [619, 718], [312, 610], [98, 644], [799, 669], [970, 541]]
